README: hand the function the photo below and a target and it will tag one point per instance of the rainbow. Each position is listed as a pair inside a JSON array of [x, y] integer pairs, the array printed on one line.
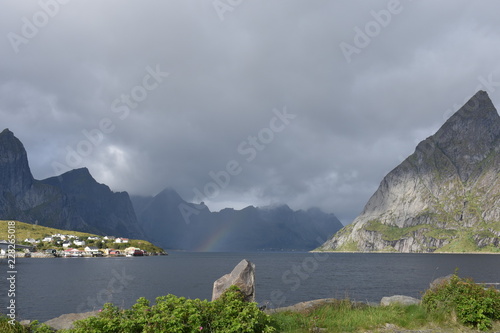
[[213, 241]]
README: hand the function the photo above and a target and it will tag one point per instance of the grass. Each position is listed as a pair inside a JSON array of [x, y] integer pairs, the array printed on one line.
[[26, 230], [393, 233], [463, 243], [350, 246], [346, 316]]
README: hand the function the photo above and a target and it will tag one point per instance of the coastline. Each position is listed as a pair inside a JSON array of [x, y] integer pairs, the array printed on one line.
[[48, 256], [395, 252]]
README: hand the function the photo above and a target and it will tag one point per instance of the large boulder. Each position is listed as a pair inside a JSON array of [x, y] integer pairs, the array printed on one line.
[[399, 299], [242, 276]]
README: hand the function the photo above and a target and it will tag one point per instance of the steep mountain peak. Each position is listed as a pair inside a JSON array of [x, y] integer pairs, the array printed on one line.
[[469, 136], [80, 172], [76, 178], [478, 106], [15, 174], [170, 194], [6, 132]]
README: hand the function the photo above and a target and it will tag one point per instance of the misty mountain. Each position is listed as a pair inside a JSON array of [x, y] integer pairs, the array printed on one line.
[[445, 196], [173, 223], [72, 201], [76, 201]]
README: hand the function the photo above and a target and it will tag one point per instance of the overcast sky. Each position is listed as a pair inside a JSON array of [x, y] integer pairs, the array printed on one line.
[[309, 103]]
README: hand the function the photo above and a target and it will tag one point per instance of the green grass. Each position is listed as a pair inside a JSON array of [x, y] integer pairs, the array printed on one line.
[[26, 230], [463, 243], [345, 316], [393, 233], [350, 246]]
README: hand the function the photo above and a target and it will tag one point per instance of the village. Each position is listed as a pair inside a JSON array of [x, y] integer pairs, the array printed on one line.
[[69, 245]]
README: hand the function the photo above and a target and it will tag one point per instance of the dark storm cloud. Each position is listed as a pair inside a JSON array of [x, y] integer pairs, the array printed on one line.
[[154, 94]]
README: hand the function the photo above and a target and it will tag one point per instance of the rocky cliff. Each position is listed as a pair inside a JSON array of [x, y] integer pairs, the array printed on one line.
[[444, 197], [72, 201]]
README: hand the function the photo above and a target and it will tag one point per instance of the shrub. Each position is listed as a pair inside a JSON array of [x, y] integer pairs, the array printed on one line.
[[7, 326], [471, 303], [180, 315]]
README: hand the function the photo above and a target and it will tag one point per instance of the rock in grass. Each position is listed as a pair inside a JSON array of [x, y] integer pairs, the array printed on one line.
[[399, 299], [242, 276]]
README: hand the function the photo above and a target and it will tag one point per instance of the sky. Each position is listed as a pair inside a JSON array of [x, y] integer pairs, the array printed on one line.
[[238, 102]]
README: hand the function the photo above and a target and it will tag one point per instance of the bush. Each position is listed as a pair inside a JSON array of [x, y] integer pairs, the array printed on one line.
[[174, 314], [472, 304], [7, 326]]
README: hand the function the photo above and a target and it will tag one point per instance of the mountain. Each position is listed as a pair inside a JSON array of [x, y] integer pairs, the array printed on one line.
[[75, 201], [72, 201], [444, 197], [173, 223]]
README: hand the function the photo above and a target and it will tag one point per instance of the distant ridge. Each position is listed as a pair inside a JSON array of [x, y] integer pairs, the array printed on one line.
[[249, 229]]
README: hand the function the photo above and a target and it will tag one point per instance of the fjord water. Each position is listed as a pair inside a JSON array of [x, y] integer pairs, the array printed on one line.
[[47, 288]]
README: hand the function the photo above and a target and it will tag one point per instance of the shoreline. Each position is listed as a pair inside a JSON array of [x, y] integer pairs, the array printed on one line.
[[48, 256], [385, 252]]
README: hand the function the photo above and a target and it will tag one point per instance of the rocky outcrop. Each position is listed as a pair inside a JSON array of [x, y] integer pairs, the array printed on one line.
[[242, 276], [65, 321], [15, 174], [445, 196], [71, 201], [436, 283], [399, 300]]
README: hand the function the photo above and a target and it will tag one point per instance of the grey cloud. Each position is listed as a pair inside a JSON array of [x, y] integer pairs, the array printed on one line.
[[355, 121]]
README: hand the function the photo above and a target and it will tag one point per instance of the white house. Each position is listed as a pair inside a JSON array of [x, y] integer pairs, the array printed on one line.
[[79, 242], [92, 250], [94, 238], [31, 240], [72, 253], [48, 239], [66, 244], [121, 240], [109, 237]]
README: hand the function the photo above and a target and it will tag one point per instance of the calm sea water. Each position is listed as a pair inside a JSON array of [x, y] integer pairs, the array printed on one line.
[[47, 288]]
